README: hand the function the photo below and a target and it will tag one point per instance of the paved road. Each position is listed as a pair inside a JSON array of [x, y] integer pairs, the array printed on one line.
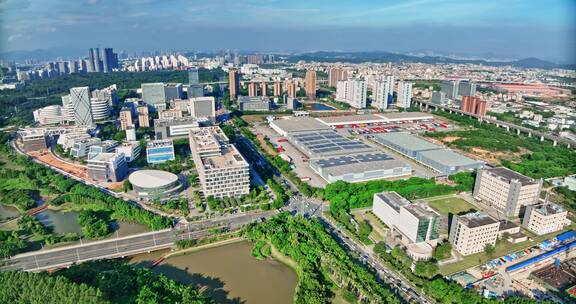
[[369, 259], [120, 247]]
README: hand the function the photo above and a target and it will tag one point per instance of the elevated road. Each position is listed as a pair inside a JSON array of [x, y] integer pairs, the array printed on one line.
[[502, 124], [125, 246]]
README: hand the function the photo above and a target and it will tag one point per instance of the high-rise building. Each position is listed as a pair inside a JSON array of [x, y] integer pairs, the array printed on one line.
[[310, 84], [404, 94], [335, 75], [252, 90], [193, 77], [108, 60], [90, 61], [96, 62], [439, 98], [450, 88], [473, 105], [264, 88], [277, 89], [291, 89], [470, 233], [195, 89], [222, 170], [79, 102], [466, 88], [353, 92], [234, 83], [383, 92], [506, 191]]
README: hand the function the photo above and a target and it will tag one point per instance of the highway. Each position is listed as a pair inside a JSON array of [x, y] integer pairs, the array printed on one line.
[[125, 246]]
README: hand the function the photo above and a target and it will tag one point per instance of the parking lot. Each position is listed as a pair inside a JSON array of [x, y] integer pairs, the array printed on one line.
[[299, 159]]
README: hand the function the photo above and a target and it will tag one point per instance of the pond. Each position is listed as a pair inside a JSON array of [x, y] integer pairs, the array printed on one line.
[[8, 212], [230, 274], [64, 222], [60, 222], [319, 107]]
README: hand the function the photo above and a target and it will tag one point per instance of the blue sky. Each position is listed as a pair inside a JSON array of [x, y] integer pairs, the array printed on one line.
[[519, 28]]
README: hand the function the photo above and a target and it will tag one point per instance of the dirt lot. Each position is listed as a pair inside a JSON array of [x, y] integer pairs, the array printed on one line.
[[48, 158], [265, 146]]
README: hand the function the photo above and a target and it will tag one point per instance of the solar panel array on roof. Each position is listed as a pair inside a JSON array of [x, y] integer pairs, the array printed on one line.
[[354, 159], [327, 142]]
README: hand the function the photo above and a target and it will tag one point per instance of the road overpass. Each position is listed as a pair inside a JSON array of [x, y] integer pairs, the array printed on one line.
[[429, 106], [124, 246]]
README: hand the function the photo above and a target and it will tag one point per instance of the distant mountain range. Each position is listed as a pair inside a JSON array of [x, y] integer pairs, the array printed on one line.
[[325, 56], [381, 56]]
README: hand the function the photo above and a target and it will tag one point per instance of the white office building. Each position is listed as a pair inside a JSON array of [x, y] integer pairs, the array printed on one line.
[[50, 115], [470, 233]]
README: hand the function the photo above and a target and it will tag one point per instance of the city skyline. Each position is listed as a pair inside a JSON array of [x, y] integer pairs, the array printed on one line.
[[489, 27]]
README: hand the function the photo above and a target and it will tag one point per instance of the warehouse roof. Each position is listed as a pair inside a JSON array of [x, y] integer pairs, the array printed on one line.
[[396, 116], [299, 124], [351, 119], [323, 143], [407, 141], [449, 158]]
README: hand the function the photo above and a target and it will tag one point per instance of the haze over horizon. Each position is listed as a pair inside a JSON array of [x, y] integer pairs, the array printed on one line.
[[515, 29]]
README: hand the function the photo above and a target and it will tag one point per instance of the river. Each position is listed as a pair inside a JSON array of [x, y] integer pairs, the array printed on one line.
[[230, 274]]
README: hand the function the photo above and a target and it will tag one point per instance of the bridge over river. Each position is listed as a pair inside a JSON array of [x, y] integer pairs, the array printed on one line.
[[124, 246]]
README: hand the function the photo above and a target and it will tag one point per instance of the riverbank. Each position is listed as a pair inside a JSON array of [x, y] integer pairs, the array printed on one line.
[[226, 271]]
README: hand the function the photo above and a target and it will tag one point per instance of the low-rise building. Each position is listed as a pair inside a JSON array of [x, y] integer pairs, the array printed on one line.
[[159, 151], [49, 115], [131, 150], [545, 218], [155, 184], [222, 170], [107, 167], [254, 103], [505, 190], [177, 127], [470, 233], [416, 222], [33, 141], [82, 147], [203, 107]]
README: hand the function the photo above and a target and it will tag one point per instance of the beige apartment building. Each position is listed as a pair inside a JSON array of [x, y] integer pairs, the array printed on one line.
[[222, 170], [125, 118], [506, 191], [143, 117], [545, 218], [470, 233]]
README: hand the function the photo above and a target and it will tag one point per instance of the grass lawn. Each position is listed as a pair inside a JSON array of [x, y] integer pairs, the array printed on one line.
[[377, 226], [452, 205], [502, 248]]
